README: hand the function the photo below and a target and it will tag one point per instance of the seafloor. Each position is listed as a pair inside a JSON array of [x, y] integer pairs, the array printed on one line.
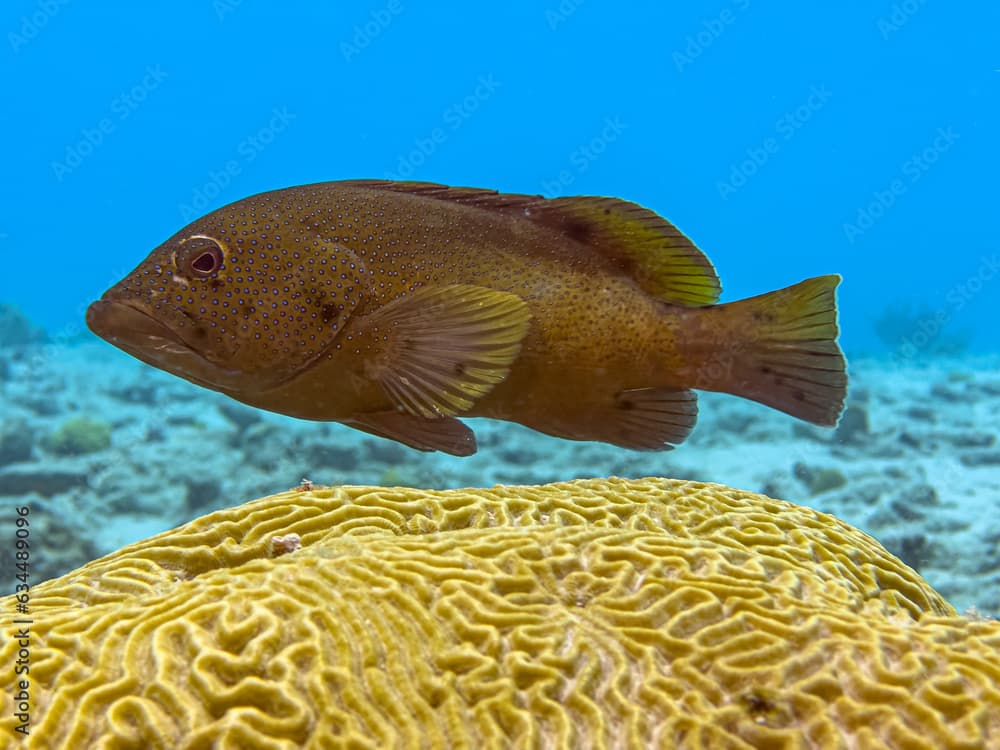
[[106, 451]]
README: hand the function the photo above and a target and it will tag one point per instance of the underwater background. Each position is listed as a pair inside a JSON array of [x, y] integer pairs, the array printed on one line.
[[786, 140]]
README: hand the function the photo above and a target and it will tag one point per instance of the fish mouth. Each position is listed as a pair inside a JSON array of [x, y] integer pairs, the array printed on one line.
[[134, 331]]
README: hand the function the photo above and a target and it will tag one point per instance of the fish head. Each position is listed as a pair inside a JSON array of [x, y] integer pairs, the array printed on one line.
[[240, 300]]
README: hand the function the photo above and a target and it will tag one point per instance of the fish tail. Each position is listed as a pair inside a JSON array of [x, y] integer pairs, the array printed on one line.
[[779, 349]]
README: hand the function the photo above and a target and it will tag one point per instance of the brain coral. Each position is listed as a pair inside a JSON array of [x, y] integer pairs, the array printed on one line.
[[598, 613]]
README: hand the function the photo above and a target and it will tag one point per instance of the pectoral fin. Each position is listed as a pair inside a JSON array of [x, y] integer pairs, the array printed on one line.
[[440, 349]]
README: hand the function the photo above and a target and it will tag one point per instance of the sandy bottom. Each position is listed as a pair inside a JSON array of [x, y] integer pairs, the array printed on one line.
[[915, 462]]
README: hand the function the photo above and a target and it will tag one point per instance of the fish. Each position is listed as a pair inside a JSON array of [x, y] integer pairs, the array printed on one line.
[[397, 308]]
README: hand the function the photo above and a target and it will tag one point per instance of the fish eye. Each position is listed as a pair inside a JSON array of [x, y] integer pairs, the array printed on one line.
[[198, 257]]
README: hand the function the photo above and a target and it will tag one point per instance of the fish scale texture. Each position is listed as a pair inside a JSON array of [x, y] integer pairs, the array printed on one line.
[[597, 613]]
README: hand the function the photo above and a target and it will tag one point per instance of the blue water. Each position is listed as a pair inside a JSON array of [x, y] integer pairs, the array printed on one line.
[[786, 140]]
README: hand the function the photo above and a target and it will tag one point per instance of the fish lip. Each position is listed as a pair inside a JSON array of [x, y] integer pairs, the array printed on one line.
[[121, 324], [136, 332]]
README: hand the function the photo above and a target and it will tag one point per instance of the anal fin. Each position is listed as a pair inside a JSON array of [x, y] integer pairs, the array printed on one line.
[[657, 418]]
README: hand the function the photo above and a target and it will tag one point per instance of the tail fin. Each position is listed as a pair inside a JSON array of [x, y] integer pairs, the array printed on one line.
[[784, 352]]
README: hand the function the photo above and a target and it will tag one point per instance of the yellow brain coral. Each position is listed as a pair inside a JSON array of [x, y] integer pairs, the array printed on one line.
[[599, 613]]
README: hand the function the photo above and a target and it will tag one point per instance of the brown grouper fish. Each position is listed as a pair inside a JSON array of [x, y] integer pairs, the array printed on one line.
[[395, 307]]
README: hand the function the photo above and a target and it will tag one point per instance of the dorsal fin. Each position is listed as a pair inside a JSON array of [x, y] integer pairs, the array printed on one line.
[[642, 244], [634, 240]]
